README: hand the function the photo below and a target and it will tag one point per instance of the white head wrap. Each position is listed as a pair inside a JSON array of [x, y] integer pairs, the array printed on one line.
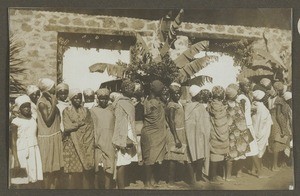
[[88, 92], [175, 84], [45, 84], [21, 100], [194, 90], [287, 95], [31, 89], [284, 88], [62, 86], [73, 92], [258, 94]]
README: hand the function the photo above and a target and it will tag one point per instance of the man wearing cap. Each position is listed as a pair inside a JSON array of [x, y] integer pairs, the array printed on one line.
[[49, 134]]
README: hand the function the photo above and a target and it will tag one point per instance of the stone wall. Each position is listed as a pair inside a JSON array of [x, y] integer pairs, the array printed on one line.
[[37, 33]]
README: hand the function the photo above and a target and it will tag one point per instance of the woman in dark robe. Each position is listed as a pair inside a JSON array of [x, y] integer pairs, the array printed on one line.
[[78, 143], [219, 134], [281, 132], [153, 134]]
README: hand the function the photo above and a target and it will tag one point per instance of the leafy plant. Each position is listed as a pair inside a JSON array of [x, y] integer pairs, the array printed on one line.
[[15, 66]]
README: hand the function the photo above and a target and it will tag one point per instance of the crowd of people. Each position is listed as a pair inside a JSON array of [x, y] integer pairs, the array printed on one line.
[[66, 138]]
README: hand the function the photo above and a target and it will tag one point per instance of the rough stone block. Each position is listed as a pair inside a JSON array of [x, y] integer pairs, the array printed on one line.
[[39, 15], [78, 21], [123, 25], [53, 46], [200, 29], [36, 64], [25, 12], [151, 26], [219, 28], [109, 23], [257, 33], [188, 26], [33, 53], [92, 23], [230, 30], [137, 24], [64, 21], [11, 12], [52, 21], [240, 30], [26, 19], [25, 27]]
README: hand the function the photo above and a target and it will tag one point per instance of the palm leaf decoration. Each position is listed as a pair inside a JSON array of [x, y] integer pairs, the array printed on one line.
[[189, 65], [15, 66], [198, 80], [249, 73], [188, 55], [113, 70], [262, 58]]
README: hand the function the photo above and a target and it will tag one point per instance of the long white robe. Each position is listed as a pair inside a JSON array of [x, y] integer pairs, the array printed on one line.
[[262, 122]]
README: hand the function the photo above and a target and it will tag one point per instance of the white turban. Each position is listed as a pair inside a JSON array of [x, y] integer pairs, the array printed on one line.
[[194, 90], [31, 89], [284, 88], [21, 100], [45, 84], [258, 94], [175, 84], [73, 92], [287, 96], [88, 92], [62, 86], [265, 82]]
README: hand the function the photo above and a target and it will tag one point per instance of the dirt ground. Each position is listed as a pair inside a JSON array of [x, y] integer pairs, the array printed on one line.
[[280, 180]]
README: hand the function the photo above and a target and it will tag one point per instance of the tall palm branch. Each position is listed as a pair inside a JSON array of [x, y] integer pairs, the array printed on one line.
[[15, 66], [189, 65]]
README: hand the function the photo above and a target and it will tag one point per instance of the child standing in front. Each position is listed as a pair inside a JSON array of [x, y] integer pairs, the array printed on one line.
[[104, 124], [25, 150]]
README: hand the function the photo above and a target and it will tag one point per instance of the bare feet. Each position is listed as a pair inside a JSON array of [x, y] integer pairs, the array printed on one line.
[[275, 169], [239, 174], [230, 180], [217, 180], [262, 176], [149, 186]]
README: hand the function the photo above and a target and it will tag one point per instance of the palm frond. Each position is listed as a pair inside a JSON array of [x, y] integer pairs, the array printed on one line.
[[264, 58], [112, 70], [248, 73], [188, 56], [15, 65], [199, 80], [194, 67]]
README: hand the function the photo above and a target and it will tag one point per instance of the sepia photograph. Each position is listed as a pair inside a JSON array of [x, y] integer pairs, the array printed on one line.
[[150, 99]]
